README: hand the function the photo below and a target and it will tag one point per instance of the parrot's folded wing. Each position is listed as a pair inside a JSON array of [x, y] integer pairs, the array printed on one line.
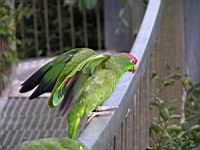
[[47, 75], [59, 94]]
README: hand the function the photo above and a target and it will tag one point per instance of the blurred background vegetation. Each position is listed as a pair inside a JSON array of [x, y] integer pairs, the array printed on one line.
[[50, 26]]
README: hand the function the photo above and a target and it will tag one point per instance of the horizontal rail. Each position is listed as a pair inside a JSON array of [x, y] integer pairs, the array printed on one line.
[[101, 131]]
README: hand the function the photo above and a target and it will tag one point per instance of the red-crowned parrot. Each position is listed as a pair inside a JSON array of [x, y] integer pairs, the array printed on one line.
[[81, 80]]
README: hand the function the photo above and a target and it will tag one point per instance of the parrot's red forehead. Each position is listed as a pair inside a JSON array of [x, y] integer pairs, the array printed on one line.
[[131, 57]]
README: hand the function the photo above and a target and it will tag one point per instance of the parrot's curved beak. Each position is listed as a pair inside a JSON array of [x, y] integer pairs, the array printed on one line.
[[133, 69], [134, 61]]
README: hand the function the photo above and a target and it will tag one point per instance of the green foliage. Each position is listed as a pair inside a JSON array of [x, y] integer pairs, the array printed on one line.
[[193, 93], [83, 4], [52, 144], [9, 16], [26, 32], [169, 131]]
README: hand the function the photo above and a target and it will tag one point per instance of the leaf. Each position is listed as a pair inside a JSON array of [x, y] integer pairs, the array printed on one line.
[[168, 82], [175, 76], [150, 148], [155, 103], [174, 117], [164, 113], [193, 118], [174, 128], [155, 126], [169, 67], [154, 76], [195, 127], [69, 2], [196, 148]]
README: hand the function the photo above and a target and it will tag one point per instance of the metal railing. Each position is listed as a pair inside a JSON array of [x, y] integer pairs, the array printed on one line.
[[127, 127]]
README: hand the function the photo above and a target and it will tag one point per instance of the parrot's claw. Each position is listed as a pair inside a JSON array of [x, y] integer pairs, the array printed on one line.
[[106, 108], [101, 111], [97, 114]]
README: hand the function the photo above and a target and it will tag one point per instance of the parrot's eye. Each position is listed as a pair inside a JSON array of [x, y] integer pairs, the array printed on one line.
[[134, 61], [132, 58]]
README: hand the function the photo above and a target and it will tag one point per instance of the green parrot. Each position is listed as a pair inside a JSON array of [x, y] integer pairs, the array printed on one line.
[[80, 80], [52, 144]]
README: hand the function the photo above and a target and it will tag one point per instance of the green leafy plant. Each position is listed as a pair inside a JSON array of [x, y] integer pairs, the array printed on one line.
[[9, 16], [169, 130], [83, 4]]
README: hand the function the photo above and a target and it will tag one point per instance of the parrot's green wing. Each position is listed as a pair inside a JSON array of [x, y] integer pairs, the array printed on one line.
[[78, 58], [89, 64], [95, 90], [46, 77], [52, 144]]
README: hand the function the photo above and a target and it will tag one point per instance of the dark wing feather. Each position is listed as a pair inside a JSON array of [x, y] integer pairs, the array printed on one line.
[[68, 95], [47, 76], [34, 79]]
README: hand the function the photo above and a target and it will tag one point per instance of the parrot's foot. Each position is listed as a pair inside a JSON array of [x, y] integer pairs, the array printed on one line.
[[98, 114], [106, 108], [101, 111]]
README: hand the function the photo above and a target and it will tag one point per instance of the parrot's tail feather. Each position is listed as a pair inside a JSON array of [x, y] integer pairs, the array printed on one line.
[[82, 125], [67, 101], [42, 88], [33, 80], [65, 105]]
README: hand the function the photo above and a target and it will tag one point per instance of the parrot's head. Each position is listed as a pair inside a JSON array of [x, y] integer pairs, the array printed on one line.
[[132, 60]]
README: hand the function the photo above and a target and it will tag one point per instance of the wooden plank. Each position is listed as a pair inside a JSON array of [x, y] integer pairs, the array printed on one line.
[[135, 123], [22, 29], [46, 22], [99, 133], [168, 50], [123, 134], [192, 38], [98, 22], [35, 24], [85, 31], [72, 26], [131, 129], [60, 26]]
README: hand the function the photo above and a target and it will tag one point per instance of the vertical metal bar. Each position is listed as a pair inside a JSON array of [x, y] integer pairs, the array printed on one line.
[[35, 24], [85, 28], [72, 26], [98, 22], [46, 26], [60, 24]]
